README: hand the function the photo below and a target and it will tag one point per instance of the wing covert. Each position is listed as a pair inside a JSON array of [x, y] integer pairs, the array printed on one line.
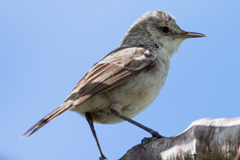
[[116, 68]]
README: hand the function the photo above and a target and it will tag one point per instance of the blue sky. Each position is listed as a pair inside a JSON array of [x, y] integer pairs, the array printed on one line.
[[47, 46]]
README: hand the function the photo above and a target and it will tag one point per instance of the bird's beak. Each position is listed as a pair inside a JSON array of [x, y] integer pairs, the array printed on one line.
[[186, 35]]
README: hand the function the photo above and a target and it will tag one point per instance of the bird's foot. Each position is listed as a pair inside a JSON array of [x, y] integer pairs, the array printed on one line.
[[154, 137], [103, 158]]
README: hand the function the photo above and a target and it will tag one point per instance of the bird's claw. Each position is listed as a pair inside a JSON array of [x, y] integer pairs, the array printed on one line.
[[154, 137], [103, 158]]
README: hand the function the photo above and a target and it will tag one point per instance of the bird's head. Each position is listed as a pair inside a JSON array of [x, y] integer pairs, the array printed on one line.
[[157, 28]]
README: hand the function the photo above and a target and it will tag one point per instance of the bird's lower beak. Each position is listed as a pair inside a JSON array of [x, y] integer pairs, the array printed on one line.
[[185, 35]]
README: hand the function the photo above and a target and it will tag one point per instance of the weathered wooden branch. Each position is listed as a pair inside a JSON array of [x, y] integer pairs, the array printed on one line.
[[204, 139]]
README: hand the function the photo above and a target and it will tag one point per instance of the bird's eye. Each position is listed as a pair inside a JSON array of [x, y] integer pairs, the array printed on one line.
[[164, 29]]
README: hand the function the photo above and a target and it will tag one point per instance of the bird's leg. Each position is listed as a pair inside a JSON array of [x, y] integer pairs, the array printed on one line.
[[90, 122], [155, 135]]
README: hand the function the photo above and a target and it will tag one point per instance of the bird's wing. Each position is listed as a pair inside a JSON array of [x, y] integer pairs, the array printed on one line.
[[116, 68]]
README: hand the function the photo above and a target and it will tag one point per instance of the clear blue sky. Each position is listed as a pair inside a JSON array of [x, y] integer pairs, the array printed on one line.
[[47, 46]]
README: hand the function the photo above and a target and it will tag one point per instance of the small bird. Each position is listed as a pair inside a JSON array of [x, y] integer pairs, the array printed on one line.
[[127, 80]]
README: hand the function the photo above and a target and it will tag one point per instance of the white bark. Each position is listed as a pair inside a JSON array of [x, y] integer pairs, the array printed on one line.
[[204, 139]]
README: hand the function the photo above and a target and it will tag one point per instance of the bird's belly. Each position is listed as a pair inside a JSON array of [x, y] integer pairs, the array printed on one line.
[[140, 94], [133, 97]]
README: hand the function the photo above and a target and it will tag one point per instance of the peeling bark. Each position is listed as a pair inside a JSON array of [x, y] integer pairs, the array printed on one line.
[[204, 139]]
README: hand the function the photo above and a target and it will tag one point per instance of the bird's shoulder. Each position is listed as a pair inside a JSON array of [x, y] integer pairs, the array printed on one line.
[[131, 58]]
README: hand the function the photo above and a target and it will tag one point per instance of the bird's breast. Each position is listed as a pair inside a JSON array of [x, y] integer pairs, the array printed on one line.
[[144, 90]]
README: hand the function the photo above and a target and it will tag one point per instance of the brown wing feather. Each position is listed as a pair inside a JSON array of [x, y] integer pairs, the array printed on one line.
[[114, 69]]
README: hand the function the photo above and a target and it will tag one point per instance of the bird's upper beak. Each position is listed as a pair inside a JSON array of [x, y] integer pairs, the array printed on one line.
[[185, 35]]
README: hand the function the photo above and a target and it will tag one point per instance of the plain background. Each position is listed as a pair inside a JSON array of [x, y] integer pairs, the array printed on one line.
[[46, 46]]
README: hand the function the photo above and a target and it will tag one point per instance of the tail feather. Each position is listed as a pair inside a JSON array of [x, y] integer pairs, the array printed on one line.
[[58, 111]]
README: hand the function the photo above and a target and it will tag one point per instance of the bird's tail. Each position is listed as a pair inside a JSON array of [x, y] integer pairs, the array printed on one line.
[[58, 111]]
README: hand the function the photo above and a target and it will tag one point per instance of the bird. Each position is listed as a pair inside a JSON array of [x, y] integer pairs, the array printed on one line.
[[128, 79]]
